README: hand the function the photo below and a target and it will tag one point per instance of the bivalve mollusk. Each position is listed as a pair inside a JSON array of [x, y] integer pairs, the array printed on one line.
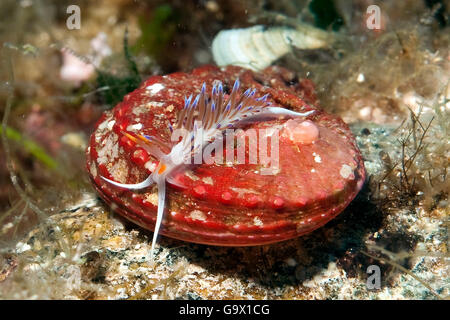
[[317, 172]]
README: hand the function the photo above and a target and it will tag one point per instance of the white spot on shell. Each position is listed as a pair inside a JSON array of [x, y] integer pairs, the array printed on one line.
[[257, 221], [137, 126], [155, 104], [109, 150], [155, 88], [346, 172], [150, 165], [111, 124], [103, 125], [100, 132], [191, 175], [242, 191], [93, 170], [152, 198], [119, 171], [197, 215], [317, 158], [208, 180]]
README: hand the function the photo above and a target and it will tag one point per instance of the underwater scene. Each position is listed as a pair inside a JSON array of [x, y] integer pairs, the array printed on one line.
[[224, 150]]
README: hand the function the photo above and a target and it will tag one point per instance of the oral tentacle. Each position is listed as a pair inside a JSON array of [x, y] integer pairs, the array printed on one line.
[[161, 206], [151, 149], [150, 144], [134, 186]]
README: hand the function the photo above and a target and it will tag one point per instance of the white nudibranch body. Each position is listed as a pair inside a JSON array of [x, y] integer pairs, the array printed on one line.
[[208, 115], [259, 46]]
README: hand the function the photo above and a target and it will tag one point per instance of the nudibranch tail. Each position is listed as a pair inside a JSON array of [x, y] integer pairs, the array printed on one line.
[[273, 113], [208, 114], [159, 215]]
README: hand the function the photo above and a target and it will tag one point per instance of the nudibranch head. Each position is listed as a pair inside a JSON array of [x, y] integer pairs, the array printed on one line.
[[141, 158]]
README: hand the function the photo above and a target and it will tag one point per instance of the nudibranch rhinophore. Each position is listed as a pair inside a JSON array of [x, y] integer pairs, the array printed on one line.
[[224, 157]]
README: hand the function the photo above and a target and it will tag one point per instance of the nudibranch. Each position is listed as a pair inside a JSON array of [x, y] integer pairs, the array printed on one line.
[[141, 158]]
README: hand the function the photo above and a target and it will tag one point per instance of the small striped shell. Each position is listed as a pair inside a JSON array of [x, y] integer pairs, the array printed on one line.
[[258, 47]]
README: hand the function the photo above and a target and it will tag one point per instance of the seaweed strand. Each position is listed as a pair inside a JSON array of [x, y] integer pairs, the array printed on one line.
[[9, 164]]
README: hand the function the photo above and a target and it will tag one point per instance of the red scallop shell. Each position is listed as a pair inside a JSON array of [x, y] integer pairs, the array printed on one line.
[[227, 205]]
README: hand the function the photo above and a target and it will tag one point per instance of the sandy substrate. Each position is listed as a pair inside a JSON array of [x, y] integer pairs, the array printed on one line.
[[89, 252], [85, 251]]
